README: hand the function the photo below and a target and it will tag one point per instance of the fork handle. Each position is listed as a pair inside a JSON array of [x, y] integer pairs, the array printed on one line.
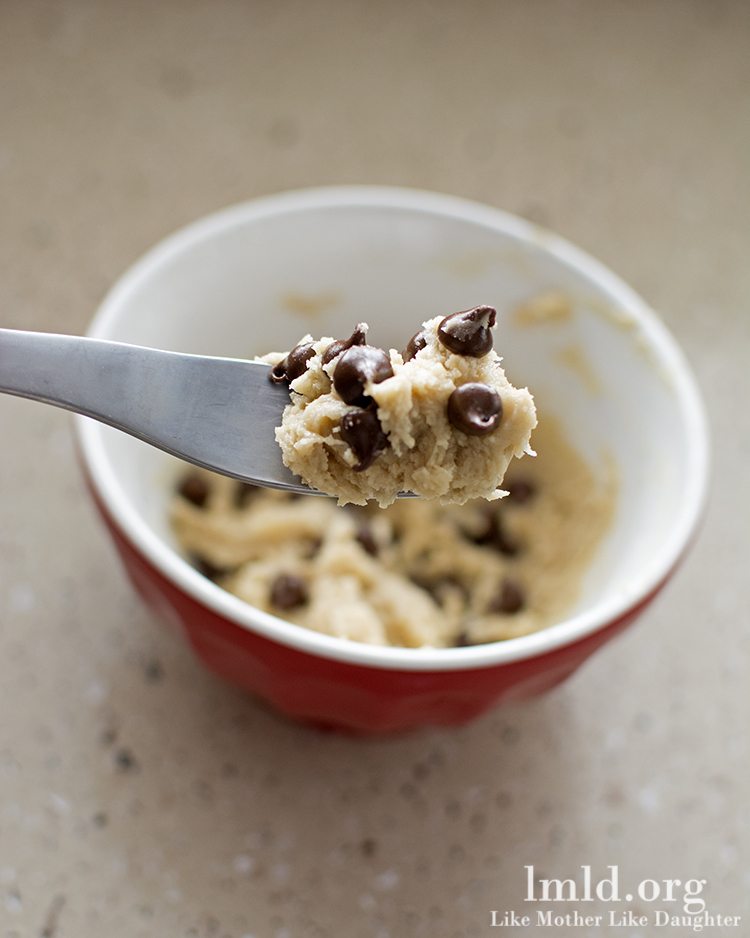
[[219, 413], [109, 381], [144, 392]]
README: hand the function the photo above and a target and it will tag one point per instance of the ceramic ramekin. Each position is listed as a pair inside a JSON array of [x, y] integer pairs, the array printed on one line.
[[259, 275]]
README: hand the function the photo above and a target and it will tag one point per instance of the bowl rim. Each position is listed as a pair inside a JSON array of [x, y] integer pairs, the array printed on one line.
[[176, 569]]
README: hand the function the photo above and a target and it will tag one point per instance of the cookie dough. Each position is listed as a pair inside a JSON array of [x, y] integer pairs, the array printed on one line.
[[439, 420], [416, 574]]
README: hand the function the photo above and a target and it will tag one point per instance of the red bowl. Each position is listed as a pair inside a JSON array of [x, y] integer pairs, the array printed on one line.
[[358, 232]]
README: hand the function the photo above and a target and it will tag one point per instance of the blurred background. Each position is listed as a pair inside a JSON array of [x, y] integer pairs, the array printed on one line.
[[140, 797]]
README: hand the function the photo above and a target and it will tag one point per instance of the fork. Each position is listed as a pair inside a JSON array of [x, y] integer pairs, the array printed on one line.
[[218, 413]]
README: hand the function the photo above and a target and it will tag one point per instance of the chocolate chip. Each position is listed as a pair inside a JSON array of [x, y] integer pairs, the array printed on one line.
[[520, 490], [205, 567], [362, 431], [294, 365], [297, 359], [358, 337], [475, 409], [462, 640], [468, 332], [366, 540], [416, 343], [277, 375], [356, 367], [495, 535], [195, 489], [288, 591], [511, 598]]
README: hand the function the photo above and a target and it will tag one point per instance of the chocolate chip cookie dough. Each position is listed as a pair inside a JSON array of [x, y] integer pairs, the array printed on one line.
[[416, 574], [440, 419]]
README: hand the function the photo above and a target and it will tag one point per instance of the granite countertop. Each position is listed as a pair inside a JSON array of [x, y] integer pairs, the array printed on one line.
[[141, 797]]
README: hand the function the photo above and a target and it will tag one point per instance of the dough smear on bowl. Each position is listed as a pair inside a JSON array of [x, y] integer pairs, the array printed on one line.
[[415, 574], [439, 419]]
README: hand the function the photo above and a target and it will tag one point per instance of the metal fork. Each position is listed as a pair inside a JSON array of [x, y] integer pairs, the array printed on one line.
[[219, 413]]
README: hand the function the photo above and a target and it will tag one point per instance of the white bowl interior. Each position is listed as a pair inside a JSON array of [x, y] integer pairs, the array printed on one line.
[[258, 277]]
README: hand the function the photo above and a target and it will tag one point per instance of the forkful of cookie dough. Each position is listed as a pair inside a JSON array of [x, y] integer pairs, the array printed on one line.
[[439, 420], [336, 417]]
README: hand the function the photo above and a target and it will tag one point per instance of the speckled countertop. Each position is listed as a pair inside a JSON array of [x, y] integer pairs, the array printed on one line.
[[139, 796]]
